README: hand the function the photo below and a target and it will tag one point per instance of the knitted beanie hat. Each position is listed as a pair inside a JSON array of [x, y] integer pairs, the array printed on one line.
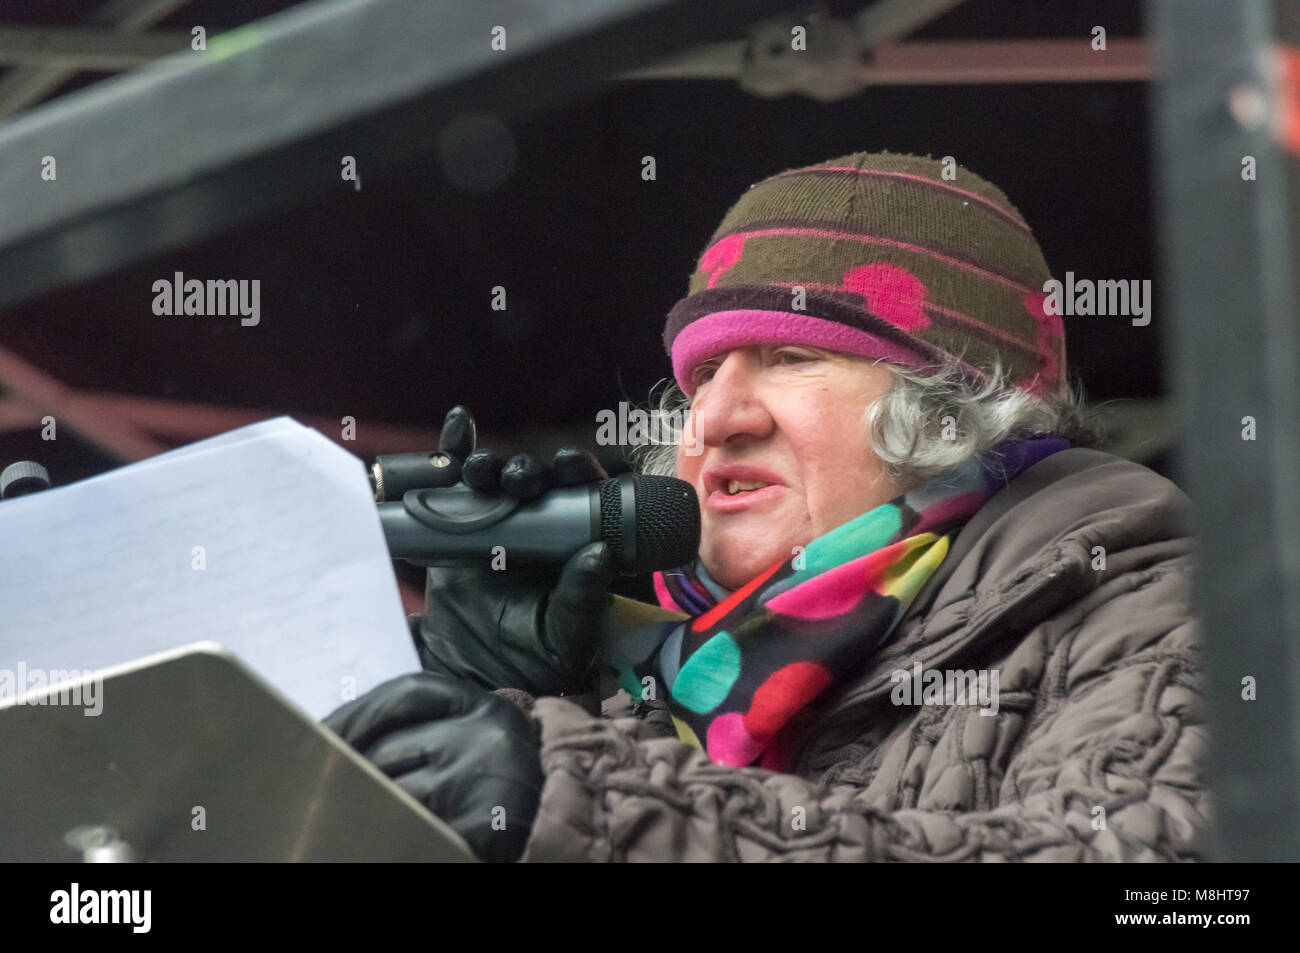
[[881, 256]]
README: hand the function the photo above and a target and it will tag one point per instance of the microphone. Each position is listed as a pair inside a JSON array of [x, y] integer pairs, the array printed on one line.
[[649, 522]]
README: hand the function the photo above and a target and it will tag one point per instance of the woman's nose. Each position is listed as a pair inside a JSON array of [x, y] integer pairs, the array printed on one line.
[[731, 409]]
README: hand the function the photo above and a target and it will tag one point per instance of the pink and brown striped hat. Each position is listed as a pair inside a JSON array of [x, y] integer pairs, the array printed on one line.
[[895, 262]]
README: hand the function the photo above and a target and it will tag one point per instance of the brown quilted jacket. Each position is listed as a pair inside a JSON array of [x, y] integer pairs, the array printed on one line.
[[1073, 583]]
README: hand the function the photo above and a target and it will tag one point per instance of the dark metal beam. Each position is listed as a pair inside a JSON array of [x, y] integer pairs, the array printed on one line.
[[1231, 248], [24, 85], [200, 142], [105, 50], [888, 21], [945, 62]]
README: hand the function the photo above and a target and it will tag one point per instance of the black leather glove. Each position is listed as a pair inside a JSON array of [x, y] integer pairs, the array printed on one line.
[[524, 626], [469, 756]]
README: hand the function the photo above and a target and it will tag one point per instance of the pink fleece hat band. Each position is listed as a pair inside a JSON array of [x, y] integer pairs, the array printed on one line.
[[723, 330]]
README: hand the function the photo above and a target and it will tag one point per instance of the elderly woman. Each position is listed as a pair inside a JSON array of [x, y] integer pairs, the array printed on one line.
[[926, 621]]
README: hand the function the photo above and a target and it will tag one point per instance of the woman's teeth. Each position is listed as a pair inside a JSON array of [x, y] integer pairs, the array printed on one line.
[[740, 486]]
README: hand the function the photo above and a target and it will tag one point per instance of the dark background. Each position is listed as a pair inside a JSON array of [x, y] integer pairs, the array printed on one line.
[[376, 303]]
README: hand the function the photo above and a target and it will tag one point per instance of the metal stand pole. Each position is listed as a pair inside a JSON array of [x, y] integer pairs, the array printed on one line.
[[1230, 217]]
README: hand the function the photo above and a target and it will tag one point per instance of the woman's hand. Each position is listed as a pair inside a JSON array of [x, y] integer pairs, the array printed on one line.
[[524, 626], [469, 756]]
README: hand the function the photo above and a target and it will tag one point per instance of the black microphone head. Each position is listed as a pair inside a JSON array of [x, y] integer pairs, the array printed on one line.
[[663, 524]]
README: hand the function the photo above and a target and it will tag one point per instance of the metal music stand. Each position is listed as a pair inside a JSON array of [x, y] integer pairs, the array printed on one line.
[[187, 736]]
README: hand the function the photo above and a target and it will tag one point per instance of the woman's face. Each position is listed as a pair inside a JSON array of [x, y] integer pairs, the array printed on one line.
[[789, 420]]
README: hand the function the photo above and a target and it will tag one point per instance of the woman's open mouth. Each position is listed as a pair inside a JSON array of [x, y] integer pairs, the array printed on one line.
[[734, 487], [734, 495]]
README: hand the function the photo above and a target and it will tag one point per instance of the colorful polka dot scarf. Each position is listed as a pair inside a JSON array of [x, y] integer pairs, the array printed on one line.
[[748, 661]]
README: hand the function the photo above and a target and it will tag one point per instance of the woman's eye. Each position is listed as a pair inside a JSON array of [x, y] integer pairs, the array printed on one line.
[[702, 374], [793, 357]]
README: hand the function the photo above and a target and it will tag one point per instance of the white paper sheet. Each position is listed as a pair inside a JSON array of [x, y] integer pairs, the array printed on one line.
[[296, 579]]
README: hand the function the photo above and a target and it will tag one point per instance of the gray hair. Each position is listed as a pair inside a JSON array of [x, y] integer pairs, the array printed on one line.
[[930, 420]]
